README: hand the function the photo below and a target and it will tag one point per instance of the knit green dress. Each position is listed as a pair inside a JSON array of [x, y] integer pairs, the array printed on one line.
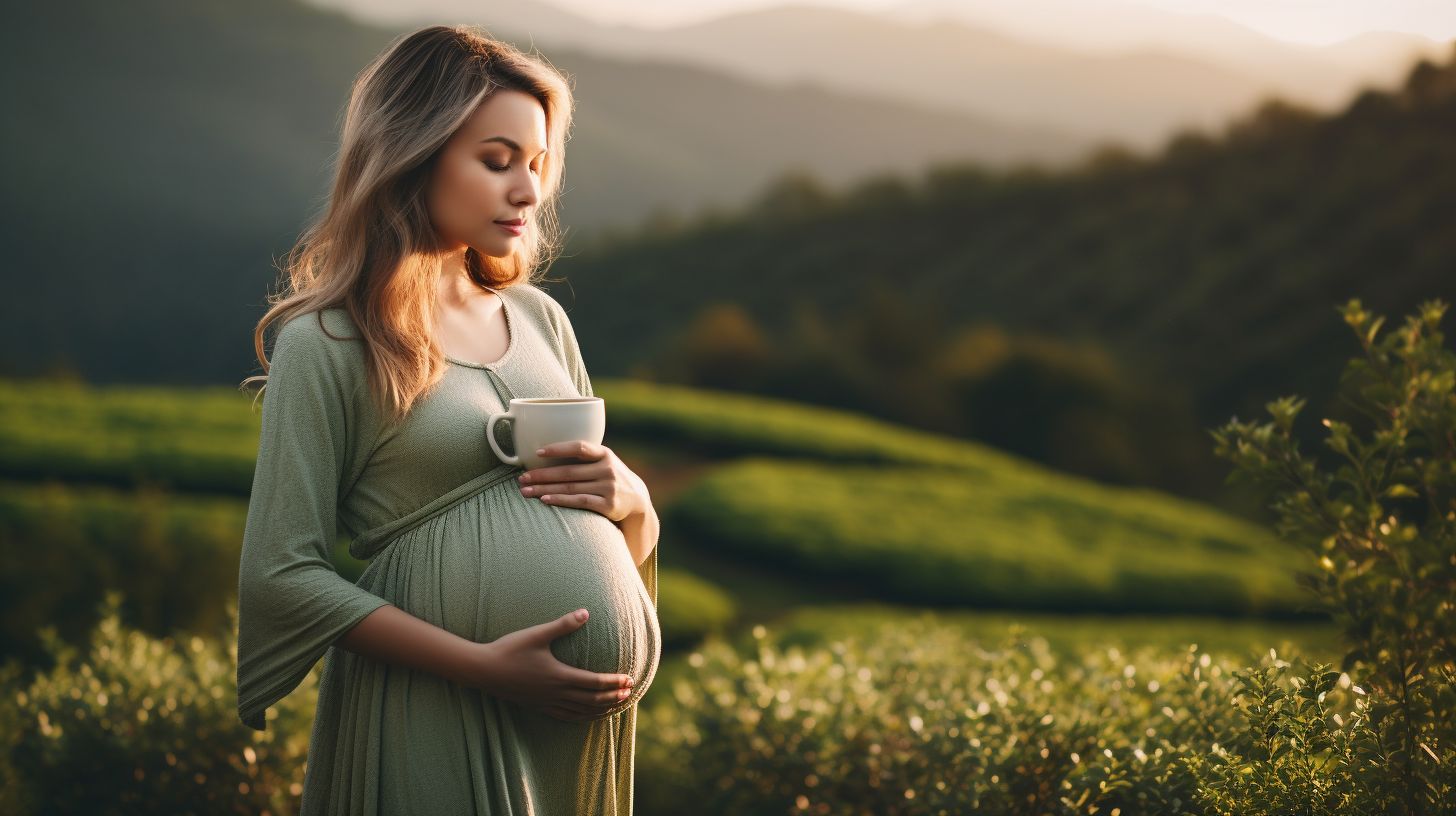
[[450, 539]]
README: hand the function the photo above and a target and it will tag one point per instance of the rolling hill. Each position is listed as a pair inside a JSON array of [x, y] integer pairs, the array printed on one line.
[[1215, 265]]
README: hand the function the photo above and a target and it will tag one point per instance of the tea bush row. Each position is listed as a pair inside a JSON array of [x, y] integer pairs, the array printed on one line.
[[138, 724], [906, 717], [937, 537], [205, 439], [194, 439], [911, 717], [63, 546], [173, 558]]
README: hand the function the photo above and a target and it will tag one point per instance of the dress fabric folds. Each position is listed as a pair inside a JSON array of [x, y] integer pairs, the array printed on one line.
[[448, 538]]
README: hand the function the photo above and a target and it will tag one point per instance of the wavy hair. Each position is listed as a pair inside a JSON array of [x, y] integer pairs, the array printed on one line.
[[372, 251]]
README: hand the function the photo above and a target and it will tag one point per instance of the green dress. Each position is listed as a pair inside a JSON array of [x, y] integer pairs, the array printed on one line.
[[450, 539]]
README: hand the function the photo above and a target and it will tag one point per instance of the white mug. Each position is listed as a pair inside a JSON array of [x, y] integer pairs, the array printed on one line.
[[539, 421]]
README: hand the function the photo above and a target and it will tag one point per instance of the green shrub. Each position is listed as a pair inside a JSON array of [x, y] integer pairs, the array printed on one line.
[[1381, 523], [1296, 755], [913, 717], [1072, 636], [850, 724], [141, 725]]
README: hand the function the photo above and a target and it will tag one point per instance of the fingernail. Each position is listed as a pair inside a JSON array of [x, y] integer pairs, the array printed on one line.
[[622, 695], [581, 614], [629, 681], [540, 451]]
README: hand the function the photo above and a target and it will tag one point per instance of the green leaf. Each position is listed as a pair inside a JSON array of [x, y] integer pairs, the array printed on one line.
[[1374, 329]]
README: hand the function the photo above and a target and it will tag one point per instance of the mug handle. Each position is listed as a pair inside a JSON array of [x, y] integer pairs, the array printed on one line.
[[490, 437]]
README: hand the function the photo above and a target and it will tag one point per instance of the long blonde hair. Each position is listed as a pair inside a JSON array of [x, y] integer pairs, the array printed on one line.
[[372, 251]]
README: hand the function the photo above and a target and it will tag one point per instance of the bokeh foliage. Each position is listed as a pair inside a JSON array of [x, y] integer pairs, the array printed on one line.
[[1379, 517]]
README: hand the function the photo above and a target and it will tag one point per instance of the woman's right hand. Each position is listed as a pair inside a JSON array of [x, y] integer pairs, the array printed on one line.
[[521, 667]]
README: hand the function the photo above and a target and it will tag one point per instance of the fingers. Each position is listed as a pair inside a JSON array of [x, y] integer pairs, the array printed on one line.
[[576, 448], [581, 678], [597, 699], [597, 487], [566, 624], [558, 473]]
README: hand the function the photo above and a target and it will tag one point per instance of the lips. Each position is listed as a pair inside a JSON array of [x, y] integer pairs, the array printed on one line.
[[517, 222]]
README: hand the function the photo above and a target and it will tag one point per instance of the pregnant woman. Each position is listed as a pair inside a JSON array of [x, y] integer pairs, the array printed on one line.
[[491, 657]]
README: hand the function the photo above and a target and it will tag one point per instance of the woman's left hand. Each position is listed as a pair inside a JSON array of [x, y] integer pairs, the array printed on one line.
[[601, 482]]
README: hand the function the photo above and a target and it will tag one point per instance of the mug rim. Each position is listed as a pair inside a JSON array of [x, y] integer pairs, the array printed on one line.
[[554, 400]]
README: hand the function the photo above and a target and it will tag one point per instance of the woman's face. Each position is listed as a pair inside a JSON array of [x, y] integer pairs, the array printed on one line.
[[489, 171]]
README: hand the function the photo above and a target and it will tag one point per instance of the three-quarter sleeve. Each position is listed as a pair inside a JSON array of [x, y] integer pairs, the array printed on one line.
[[292, 604]]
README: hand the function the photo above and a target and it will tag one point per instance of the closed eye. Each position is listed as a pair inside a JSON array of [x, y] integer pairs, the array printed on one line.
[[507, 167]]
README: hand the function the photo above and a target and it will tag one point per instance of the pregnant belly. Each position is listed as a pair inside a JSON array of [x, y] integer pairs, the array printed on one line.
[[499, 562]]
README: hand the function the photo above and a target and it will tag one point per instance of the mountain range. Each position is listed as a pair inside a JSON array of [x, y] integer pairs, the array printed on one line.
[[164, 153], [1215, 265], [1102, 70]]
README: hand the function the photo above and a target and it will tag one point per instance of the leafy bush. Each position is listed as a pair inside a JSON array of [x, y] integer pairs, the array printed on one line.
[[912, 717], [142, 725], [1072, 636], [1296, 755], [1381, 522], [996, 538], [848, 726]]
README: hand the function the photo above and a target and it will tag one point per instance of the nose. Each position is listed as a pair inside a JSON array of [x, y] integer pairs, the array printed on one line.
[[528, 194]]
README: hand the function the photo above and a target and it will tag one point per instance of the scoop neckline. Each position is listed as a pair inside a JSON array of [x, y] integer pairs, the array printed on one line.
[[510, 338]]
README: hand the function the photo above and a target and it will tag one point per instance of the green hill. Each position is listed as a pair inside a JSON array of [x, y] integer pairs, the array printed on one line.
[[810, 494], [1212, 268], [937, 537], [204, 440]]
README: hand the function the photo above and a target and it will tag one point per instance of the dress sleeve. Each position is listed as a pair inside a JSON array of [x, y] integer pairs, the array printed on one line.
[[292, 603]]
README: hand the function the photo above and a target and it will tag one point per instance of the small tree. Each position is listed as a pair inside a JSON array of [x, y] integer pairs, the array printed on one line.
[[1381, 526]]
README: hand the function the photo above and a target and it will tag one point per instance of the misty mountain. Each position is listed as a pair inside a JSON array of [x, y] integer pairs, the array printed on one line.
[[1107, 71], [1214, 266], [160, 155]]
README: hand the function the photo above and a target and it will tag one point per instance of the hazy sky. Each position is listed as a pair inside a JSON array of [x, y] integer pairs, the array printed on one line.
[[1304, 21], [1322, 21]]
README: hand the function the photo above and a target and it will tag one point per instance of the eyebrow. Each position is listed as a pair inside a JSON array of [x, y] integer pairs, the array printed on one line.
[[511, 143]]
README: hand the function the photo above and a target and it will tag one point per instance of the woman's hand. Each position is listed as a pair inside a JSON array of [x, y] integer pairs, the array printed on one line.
[[602, 482], [521, 667]]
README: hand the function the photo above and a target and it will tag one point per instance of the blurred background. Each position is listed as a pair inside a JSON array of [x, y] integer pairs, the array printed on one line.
[[901, 308]]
